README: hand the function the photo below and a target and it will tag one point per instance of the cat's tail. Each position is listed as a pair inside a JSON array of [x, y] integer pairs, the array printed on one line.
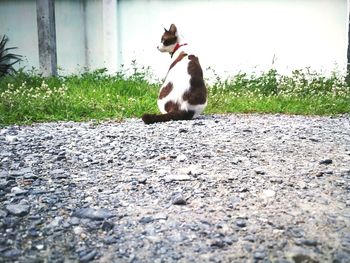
[[170, 116]]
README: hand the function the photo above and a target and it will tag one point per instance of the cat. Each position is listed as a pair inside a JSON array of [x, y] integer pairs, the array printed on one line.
[[183, 95]]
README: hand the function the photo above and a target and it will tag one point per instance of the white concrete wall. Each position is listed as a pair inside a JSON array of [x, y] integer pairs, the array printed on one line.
[[228, 35], [240, 35], [79, 35], [18, 22]]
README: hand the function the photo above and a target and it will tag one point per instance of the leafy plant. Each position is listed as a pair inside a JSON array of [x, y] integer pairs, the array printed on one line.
[[26, 97], [6, 65]]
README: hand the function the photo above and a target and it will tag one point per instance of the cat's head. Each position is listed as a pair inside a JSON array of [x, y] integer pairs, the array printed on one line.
[[169, 40]]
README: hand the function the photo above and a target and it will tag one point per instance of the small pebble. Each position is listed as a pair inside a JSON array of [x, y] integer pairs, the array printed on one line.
[[146, 219], [91, 213], [39, 247], [259, 255], [310, 242], [18, 209], [88, 257], [178, 199], [181, 158], [241, 223], [326, 161]]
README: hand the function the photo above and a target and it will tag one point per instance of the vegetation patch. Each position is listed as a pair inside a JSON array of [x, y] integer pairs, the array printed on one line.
[[28, 97], [303, 92]]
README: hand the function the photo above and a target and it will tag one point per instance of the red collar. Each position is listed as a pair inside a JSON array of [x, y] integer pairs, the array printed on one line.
[[177, 46]]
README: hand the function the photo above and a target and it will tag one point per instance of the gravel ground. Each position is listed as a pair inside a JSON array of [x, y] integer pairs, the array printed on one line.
[[225, 188]]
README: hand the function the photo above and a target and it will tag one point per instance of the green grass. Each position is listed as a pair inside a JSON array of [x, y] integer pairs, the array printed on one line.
[[304, 92], [27, 97]]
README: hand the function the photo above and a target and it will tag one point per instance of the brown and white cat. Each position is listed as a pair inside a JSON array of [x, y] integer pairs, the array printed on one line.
[[183, 95]]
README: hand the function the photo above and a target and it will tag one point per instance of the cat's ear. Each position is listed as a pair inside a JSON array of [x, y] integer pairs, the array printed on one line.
[[173, 29], [165, 29]]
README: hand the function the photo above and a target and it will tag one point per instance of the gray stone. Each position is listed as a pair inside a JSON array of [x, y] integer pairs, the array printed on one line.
[[12, 254], [57, 221], [259, 171], [3, 184], [230, 240], [341, 257], [181, 158], [18, 209], [30, 176], [296, 232], [160, 216], [250, 238], [177, 177], [146, 219], [3, 213], [11, 138], [268, 193], [74, 221], [182, 130], [219, 243], [57, 172], [178, 199], [241, 223], [300, 255], [94, 214], [142, 180], [259, 255], [89, 256], [111, 240], [18, 191], [310, 242], [326, 161]]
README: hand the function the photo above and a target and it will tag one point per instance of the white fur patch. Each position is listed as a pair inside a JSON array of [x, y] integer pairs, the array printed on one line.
[[180, 80], [163, 48]]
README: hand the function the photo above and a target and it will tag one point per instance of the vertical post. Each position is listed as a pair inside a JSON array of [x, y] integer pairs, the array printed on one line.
[[110, 48], [86, 38], [45, 10], [348, 53]]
